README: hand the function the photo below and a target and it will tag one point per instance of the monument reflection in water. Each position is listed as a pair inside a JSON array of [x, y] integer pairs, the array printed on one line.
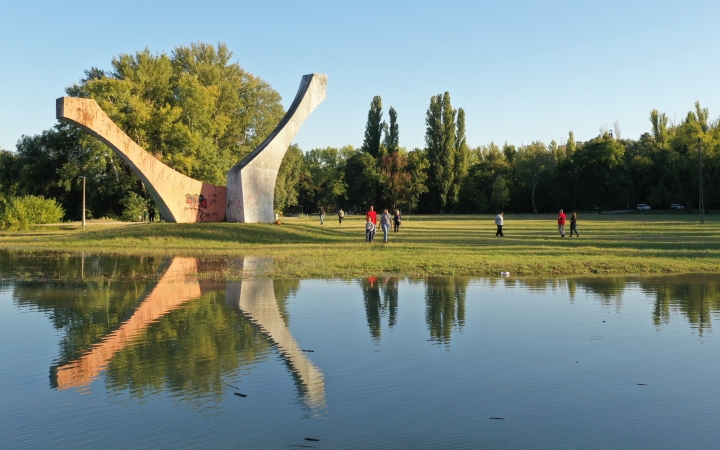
[[254, 299]]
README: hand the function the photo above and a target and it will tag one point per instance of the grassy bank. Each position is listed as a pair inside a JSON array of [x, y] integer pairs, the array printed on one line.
[[625, 243]]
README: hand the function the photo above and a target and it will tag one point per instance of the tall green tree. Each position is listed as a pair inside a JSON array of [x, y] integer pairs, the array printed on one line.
[[534, 165], [599, 167], [659, 126], [462, 156], [440, 144], [570, 146], [194, 109], [398, 182], [327, 167], [417, 168], [288, 179], [363, 178], [392, 133], [373, 128], [500, 193]]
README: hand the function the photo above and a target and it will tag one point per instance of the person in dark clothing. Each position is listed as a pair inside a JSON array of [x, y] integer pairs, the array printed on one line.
[[573, 225], [397, 220], [151, 214]]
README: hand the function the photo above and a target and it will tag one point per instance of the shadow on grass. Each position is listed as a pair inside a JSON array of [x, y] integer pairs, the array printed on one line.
[[231, 233]]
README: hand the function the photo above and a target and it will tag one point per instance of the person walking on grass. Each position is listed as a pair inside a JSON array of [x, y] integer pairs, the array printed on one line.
[[341, 215], [369, 230], [499, 221], [372, 215], [573, 225], [322, 215], [561, 223], [385, 220], [397, 220]]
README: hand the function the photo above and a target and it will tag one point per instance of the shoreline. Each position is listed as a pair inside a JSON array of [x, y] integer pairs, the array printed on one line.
[[459, 246]]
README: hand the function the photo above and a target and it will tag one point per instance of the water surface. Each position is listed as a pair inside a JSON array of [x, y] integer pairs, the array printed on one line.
[[93, 358]]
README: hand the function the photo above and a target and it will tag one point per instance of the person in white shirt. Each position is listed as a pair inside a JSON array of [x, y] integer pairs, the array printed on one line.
[[369, 230], [499, 222]]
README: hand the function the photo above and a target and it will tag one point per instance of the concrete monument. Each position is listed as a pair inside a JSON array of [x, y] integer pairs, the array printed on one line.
[[251, 183], [249, 194]]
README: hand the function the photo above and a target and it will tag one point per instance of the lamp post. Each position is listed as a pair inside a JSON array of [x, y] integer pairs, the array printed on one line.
[[701, 194], [83, 208]]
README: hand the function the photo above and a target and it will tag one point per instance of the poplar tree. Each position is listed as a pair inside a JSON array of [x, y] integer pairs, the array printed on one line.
[[462, 155], [659, 124], [373, 128], [440, 141], [392, 133], [570, 146]]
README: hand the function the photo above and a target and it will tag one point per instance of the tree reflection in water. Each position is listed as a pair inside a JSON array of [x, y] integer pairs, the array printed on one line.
[[380, 297], [697, 297], [445, 306]]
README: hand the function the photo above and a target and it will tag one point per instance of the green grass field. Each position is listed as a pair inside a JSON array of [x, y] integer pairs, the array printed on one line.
[[456, 245]]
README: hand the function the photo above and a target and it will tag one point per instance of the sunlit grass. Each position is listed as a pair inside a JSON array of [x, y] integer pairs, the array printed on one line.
[[630, 243]]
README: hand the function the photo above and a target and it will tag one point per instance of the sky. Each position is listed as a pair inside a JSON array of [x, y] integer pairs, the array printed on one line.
[[523, 71]]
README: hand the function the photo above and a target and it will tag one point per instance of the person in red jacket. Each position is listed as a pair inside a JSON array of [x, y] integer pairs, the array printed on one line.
[[561, 223], [371, 215]]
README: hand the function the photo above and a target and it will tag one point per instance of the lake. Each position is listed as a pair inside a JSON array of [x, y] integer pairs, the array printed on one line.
[[142, 352]]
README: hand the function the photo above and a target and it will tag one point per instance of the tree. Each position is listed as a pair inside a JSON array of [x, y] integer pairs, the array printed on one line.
[[288, 179], [599, 168], [392, 133], [417, 168], [500, 193], [659, 125], [363, 178], [533, 164], [374, 128], [8, 173], [440, 145], [570, 146], [194, 109], [134, 206], [326, 167], [462, 156], [398, 186]]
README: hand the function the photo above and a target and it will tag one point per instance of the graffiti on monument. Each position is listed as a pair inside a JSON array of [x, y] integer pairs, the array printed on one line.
[[204, 208]]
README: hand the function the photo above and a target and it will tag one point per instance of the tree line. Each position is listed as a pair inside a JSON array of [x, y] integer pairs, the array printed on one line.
[[447, 176], [200, 113]]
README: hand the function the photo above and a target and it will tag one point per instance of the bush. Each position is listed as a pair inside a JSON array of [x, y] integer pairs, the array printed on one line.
[[134, 207], [22, 212]]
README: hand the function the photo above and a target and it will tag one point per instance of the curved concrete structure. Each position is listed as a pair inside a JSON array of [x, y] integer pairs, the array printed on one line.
[[251, 183], [179, 197]]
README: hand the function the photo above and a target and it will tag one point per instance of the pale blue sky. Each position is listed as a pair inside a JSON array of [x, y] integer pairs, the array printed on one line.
[[522, 70]]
